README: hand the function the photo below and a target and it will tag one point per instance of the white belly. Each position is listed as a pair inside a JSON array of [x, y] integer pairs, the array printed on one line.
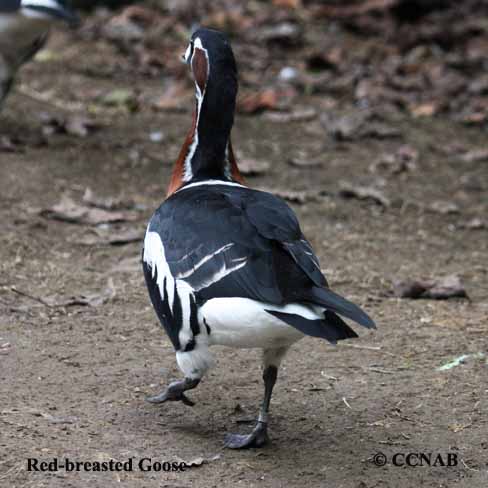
[[242, 322]]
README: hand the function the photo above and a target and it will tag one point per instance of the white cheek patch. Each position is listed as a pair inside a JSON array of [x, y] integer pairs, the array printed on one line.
[[186, 56], [198, 43]]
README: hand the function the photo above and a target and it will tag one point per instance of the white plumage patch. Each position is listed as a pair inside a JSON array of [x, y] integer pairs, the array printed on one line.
[[30, 12], [200, 263], [186, 56], [210, 182], [195, 363], [188, 173], [221, 273], [242, 322], [155, 257]]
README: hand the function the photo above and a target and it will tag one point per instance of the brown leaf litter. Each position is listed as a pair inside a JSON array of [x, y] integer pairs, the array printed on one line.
[[67, 210], [437, 289]]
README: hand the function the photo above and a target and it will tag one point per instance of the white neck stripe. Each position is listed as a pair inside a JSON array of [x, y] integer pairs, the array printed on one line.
[[210, 182], [188, 172], [40, 3]]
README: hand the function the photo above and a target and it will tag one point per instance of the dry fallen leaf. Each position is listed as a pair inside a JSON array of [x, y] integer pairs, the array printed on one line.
[[67, 210], [74, 124], [297, 115], [299, 197], [443, 207], [474, 224], [343, 127], [350, 9], [474, 156], [106, 203], [79, 125], [294, 4], [121, 98], [363, 193], [87, 299], [257, 102], [251, 167], [286, 34], [114, 237], [56, 420], [424, 109], [199, 461], [175, 97], [402, 160], [440, 289], [379, 130]]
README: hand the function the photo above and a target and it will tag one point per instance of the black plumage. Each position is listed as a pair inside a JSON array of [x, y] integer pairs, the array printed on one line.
[[257, 227]]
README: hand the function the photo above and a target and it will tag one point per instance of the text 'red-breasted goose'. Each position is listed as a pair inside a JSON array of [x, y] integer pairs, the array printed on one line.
[[24, 28], [228, 265]]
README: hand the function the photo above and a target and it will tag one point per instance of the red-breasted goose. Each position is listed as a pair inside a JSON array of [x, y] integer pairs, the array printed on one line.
[[225, 264]]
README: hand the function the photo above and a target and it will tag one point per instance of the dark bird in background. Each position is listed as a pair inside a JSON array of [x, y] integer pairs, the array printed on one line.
[[225, 264], [24, 28]]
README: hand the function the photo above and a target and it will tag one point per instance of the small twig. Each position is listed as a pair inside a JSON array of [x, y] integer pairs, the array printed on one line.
[[368, 348], [346, 403], [328, 376], [392, 443], [382, 371], [461, 427], [46, 99], [32, 297], [15, 469], [356, 346], [468, 467]]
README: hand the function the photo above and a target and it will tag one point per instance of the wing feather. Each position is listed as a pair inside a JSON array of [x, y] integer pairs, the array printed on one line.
[[238, 242]]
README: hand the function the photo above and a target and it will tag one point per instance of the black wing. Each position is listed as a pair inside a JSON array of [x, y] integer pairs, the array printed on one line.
[[237, 242], [9, 6]]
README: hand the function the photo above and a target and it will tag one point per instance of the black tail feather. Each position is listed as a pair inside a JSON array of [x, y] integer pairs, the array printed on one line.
[[335, 303], [331, 328]]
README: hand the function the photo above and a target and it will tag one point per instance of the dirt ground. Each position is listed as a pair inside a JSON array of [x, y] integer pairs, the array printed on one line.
[[73, 377]]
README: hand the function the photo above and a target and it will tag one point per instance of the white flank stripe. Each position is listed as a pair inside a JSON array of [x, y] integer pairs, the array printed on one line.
[[203, 261], [221, 273], [185, 293], [155, 257]]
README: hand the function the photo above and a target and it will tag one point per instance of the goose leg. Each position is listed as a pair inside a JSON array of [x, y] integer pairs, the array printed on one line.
[[259, 435], [175, 392]]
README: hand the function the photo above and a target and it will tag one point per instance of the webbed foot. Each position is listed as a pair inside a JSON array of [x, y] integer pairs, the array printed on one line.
[[175, 392], [257, 438]]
